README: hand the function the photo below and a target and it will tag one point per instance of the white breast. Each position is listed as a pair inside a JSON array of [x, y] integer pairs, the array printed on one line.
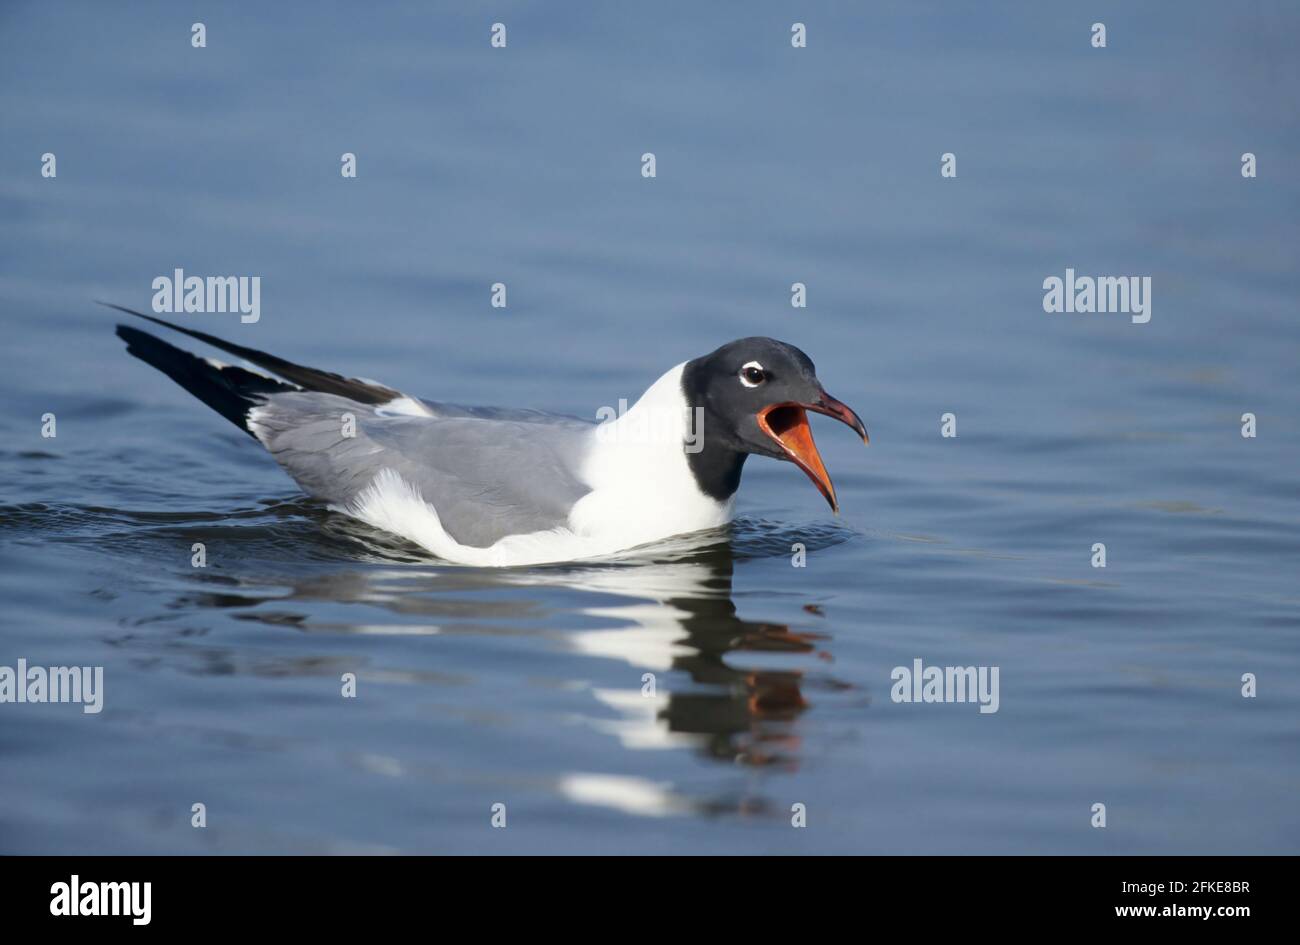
[[642, 486]]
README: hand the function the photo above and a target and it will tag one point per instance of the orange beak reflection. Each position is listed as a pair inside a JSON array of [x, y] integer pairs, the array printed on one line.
[[787, 425]]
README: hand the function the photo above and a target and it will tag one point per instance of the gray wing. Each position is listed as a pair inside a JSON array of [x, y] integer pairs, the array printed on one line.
[[488, 472]]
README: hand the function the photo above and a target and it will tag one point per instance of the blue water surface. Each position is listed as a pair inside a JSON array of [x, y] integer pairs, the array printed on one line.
[[772, 683]]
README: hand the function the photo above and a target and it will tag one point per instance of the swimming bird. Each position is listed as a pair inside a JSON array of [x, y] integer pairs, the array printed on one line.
[[491, 486]]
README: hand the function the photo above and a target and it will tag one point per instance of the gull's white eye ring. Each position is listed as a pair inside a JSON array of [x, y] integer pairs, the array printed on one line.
[[752, 374]]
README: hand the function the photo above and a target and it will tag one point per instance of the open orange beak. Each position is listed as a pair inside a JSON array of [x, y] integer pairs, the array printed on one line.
[[787, 425]]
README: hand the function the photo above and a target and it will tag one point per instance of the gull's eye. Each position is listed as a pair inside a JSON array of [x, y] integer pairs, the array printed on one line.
[[752, 374]]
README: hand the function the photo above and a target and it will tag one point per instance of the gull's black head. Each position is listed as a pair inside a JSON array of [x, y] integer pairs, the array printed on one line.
[[755, 394]]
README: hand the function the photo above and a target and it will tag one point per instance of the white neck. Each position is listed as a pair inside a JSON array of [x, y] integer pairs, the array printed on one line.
[[642, 485]]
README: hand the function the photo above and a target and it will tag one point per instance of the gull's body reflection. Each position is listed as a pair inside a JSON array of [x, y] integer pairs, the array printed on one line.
[[681, 618], [667, 614]]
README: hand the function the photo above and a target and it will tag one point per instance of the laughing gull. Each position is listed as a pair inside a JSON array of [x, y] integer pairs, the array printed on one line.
[[492, 486]]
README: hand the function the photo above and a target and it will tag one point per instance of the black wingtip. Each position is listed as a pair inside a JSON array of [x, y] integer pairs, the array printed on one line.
[[307, 378], [230, 391]]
